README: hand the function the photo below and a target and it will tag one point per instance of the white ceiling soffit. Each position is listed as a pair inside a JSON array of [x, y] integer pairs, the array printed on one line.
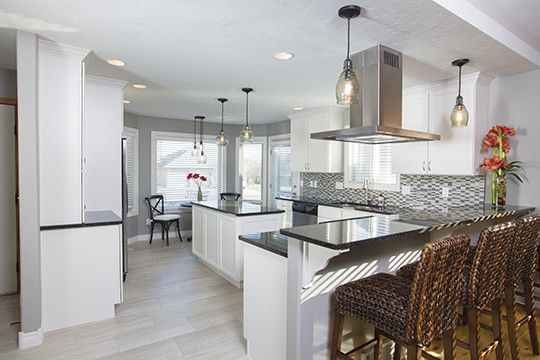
[[190, 53], [514, 23]]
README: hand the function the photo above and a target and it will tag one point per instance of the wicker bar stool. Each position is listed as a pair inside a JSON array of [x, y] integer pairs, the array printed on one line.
[[522, 271], [485, 285], [411, 313]]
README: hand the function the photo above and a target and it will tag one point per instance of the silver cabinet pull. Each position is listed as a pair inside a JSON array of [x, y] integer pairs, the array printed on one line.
[[429, 165], [424, 166]]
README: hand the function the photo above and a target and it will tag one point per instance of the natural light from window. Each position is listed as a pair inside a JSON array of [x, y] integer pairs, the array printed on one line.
[[372, 162]]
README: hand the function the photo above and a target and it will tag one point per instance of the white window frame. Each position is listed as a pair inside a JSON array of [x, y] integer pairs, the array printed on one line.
[[238, 186], [222, 161], [134, 133], [274, 140], [372, 185]]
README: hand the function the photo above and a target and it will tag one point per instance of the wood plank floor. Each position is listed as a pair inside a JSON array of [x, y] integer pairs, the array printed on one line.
[[174, 308]]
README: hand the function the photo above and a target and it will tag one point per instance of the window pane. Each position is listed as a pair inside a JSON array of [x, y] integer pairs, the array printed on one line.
[[174, 162], [251, 171], [282, 170], [373, 162]]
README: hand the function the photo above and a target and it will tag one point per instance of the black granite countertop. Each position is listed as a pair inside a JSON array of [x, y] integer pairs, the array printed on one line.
[[238, 208], [387, 210], [91, 218], [271, 241], [345, 234]]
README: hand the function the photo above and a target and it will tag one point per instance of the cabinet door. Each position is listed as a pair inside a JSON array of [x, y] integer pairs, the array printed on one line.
[[453, 154], [197, 237], [299, 143], [411, 158], [287, 206], [353, 214], [330, 213], [211, 239], [229, 238], [319, 150]]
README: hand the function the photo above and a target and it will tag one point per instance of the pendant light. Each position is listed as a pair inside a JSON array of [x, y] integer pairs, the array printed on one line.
[[348, 87], [196, 149], [222, 139], [246, 135], [460, 115], [202, 157]]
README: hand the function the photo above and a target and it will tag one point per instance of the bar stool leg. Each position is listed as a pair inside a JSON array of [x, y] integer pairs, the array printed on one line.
[[528, 290], [397, 351], [413, 352], [449, 344], [496, 317], [511, 321], [472, 321], [337, 332], [378, 345]]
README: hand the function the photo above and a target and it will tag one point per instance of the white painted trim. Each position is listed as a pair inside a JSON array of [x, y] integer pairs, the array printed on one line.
[[100, 80], [478, 19], [67, 51], [30, 339], [469, 79], [257, 140]]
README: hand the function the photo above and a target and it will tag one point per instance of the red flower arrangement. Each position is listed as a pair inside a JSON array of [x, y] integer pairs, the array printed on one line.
[[497, 140], [198, 179]]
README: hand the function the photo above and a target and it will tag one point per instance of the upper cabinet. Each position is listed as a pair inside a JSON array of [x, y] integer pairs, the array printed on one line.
[[103, 124], [309, 155], [428, 108], [60, 103]]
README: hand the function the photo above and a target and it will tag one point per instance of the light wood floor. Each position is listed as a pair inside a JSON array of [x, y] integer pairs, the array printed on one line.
[[174, 308]]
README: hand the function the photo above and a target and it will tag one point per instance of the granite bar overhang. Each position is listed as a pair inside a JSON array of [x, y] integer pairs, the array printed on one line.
[[238, 208], [346, 234], [272, 241]]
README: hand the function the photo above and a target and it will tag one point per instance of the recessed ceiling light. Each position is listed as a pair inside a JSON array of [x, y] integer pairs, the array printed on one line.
[[126, 101], [139, 86], [284, 55], [298, 108], [116, 62]]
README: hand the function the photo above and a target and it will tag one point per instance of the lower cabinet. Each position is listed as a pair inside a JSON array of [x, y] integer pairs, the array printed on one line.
[[215, 239], [286, 206], [81, 271]]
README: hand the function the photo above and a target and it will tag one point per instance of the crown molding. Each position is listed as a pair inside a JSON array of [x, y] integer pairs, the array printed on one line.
[[100, 80], [478, 78], [46, 46]]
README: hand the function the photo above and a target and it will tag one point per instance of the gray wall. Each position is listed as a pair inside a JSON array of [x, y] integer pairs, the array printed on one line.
[[8, 83], [146, 124], [30, 251], [515, 101]]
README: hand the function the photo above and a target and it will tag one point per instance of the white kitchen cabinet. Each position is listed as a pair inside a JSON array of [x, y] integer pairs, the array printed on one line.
[[60, 103], [103, 125], [81, 275], [211, 237], [329, 213], [286, 206], [309, 155], [428, 108]]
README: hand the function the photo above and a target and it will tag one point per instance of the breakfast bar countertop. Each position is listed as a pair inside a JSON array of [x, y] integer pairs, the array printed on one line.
[[238, 208]]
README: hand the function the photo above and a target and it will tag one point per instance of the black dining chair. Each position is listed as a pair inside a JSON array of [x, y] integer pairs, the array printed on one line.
[[230, 196], [156, 207]]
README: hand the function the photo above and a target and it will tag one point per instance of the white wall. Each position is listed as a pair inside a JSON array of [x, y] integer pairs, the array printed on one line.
[[8, 83], [515, 101]]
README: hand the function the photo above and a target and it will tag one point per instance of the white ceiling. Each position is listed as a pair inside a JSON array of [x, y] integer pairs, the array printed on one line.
[[189, 53]]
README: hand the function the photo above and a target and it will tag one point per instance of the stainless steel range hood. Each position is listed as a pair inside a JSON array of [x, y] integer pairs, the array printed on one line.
[[376, 118]]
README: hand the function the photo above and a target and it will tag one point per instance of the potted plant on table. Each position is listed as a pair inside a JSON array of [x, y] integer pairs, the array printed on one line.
[[198, 179], [497, 140]]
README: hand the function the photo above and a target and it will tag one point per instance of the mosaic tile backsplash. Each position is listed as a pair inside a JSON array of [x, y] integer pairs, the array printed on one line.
[[426, 190]]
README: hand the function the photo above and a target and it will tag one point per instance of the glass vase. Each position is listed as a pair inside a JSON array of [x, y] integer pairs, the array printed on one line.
[[199, 194], [498, 190]]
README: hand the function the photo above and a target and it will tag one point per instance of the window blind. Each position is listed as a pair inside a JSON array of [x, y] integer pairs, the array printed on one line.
[[282, 169], [172, 163], [373, 162], [131, 163]]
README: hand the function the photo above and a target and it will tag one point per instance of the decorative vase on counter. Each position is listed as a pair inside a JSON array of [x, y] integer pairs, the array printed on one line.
[[199, 194], [500, 191]]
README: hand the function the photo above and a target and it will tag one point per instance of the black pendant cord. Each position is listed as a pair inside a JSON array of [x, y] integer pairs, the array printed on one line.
[[348, 37], [222, 105], [247, 102], [195, 133], [201, 128], [459, 85]]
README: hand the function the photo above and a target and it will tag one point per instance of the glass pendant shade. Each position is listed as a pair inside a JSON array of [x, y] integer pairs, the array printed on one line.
[[196, 150], [460, 115], [202, 158], [246, 135], [348, 86], [222, 139]]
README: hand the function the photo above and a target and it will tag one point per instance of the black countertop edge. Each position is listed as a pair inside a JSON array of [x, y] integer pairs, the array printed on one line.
[[272, 241], [350, 245], [248, 213], [92, 218], [387, 210]]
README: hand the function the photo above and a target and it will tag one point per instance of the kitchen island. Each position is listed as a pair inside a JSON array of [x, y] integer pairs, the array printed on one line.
[[217, 226], [323, 256]]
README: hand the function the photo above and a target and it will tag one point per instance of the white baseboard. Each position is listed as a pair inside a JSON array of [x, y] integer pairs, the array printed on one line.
[[30, 339], [157, 236]]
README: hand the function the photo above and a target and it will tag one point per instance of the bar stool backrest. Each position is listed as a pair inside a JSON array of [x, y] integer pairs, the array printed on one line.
[[487, 280], [436, 289], [524, 260]]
